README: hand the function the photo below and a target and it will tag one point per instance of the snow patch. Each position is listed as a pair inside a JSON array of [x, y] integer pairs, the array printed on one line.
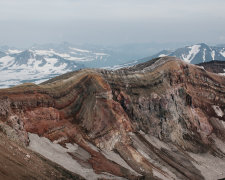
[[80, 50], [59, 155], [77, 59], [44, 52], [204, 55], [116, 158], [6, 60], [223, 74], [218, 111], [222, 53], [194, 50], [14, 51], [213, 53], [101, 54], [40, 81], [162, 55], [64, 55], [34, 70], [202, 67]]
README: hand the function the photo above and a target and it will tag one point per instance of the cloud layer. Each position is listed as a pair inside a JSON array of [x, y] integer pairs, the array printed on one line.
[[117, 21]]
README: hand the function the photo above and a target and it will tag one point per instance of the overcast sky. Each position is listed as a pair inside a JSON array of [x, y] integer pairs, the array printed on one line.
[[106, 22]]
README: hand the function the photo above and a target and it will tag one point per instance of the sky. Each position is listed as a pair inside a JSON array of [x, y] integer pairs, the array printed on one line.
[[111, 22]]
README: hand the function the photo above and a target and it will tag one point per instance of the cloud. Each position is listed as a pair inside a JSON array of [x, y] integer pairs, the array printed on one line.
[[111, 10], [111, 21]]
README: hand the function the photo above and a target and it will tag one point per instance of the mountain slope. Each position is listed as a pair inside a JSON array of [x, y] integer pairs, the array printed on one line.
[[17, 162], [163, 119]]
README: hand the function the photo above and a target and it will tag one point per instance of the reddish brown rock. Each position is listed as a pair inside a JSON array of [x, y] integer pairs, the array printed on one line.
[[180, 106]]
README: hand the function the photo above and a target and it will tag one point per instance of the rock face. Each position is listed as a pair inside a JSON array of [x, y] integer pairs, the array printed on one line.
[[163, 119]]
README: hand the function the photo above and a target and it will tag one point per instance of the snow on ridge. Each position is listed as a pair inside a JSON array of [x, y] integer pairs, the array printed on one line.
[[101, 54], [204, 55], [44, 52], [222, 53], [223, 74], [213, 53], [81, 59], [162, 55], [6, 60], [192, 53], [14, 51], [64, 55], [80, 50]]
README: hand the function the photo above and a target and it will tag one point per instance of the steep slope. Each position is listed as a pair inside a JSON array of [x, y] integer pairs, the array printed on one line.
[[163, 119], [16, 162]]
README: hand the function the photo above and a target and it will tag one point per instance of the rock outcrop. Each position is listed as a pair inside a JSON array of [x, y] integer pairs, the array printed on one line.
[[163, 119]]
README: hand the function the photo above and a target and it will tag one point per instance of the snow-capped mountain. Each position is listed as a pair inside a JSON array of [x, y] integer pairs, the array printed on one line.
[[17, 66], [69, 52], [41, 62], [195, 54]]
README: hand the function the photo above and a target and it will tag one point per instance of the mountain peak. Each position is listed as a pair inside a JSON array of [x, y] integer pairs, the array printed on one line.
[[203, 44], [195, 54]]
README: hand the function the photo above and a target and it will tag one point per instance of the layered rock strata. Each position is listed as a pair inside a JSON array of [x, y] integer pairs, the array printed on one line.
[[164, 119]]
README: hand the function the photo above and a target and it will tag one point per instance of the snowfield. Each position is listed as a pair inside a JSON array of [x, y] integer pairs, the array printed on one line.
[[192, 53], [59, 155]]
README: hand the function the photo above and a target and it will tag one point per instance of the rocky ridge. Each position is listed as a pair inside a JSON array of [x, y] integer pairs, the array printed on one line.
[[163, 119]]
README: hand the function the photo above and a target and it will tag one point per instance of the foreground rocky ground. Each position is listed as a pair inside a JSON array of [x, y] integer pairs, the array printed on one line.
[[163, 119], [18, 162]]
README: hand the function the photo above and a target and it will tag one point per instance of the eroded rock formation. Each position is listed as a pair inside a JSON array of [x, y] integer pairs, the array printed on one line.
[[163, 119]]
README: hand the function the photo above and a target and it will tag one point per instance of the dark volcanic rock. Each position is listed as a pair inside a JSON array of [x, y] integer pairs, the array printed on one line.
[[214, 66], [163, 119]]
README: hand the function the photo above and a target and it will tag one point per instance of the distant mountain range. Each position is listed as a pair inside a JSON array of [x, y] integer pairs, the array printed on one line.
[[42, 62], [194, 54], [18, 67]]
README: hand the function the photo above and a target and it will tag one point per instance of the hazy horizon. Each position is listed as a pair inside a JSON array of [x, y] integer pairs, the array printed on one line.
[[26, 22]]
